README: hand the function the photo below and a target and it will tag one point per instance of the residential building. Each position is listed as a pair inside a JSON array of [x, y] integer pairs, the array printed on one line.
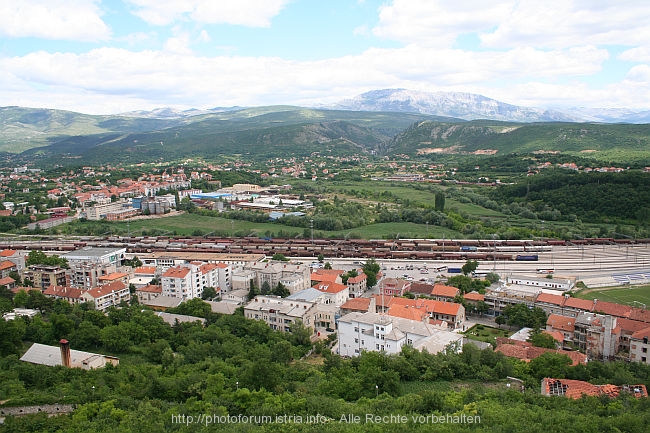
[[70, 294], [596, 335], [143, 275], [148, 293], [358, 305], [7, 267], [14, 256], [375, 332], [280, 313], [562, 324], [43, 276], [394, 287], [108, 295], [177, 282], [559, 284], [639, 346], [88, 264], [357, 285], [334, 293], [525, 351], [113, 277], [444, 293]]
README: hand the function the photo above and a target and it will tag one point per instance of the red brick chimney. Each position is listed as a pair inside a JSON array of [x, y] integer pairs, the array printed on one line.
[[65, 352]]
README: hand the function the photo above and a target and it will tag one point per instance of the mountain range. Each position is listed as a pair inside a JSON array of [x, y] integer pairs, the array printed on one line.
[[381, 122]]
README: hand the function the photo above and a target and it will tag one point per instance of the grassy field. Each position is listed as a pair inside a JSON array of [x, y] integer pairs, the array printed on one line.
[[486, 334], [629, 295], [186, 224]]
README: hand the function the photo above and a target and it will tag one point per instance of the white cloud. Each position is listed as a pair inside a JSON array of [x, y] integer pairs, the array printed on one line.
[[436, 22], [177, 77], [516, 23], [78, 20], [250, 13], [637, 54]]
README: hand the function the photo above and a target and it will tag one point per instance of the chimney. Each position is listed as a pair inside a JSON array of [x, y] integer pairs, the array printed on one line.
[[65, 352]]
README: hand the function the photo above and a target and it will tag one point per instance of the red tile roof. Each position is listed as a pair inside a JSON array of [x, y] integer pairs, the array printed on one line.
[[613, 309], [63, 292], [575, 389], [113, 276], [356, 280], [526, 351], [640, 314], [630, 326], [643, 333], [444, 291], [549, 298], [177, 272], [106, 289], [7, 281], [562, 323], [147, 270], [7, 253], [327, 287], [580, 304], [150, 288], [326, 274], [557, 335], [357, 304], [421, 288], [406, 312], [474, 296], [7, 264]]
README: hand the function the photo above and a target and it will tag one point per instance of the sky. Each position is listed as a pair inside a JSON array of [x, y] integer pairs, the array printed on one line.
[[113, 56]]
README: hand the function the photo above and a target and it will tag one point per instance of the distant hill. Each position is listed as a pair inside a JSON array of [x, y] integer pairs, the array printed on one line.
[[601, 141], [259, 133], [470, 106]]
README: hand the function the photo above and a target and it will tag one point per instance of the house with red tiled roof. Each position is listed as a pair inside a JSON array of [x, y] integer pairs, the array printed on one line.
[[358, 305], [640, 346], [418, 314], [327, 275], [628, 328], [525, 351], [576, 389], [177, 282], [394, 287], [108, 295], [113, 277], [557, 336], [70, 294], [7, 267], [335, 293], [612, 309], [450, 312], [14, 256], [550, 303], [562, 324], [357, 285], [418, 288], [444, 293], [640, 314], [148, 292], [8, 282]]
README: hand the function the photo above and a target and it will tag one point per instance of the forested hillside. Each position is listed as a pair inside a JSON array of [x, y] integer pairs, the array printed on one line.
[[239, 367]]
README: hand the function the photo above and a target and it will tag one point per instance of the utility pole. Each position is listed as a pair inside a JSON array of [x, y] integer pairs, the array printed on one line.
[[311, 224]]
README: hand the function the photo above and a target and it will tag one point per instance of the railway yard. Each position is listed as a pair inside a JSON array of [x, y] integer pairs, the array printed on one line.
[[597, 261]]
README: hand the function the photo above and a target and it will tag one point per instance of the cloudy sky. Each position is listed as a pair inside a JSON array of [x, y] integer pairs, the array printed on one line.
[[111, 56]]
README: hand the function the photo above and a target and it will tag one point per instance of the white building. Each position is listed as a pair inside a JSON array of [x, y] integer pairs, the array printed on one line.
[[639, 346], [380, 333], [188, 281], [280, 313], [108, 295], [88, 264], [559, 284]]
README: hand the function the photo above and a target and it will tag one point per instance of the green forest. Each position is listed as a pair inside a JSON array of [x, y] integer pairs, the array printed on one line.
[[176, 378]]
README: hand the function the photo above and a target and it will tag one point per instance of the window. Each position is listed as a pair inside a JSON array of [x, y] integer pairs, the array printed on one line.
[[644, 350]]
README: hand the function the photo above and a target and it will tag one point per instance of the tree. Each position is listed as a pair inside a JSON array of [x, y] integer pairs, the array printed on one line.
[[371, 268], [281, 291], [21, 299], [328, 265], [279, 257], [252, 291], [321, 258], [266, 288], [440, 201], [543, 339], [209, 293], [500, 320], [469, 267]]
